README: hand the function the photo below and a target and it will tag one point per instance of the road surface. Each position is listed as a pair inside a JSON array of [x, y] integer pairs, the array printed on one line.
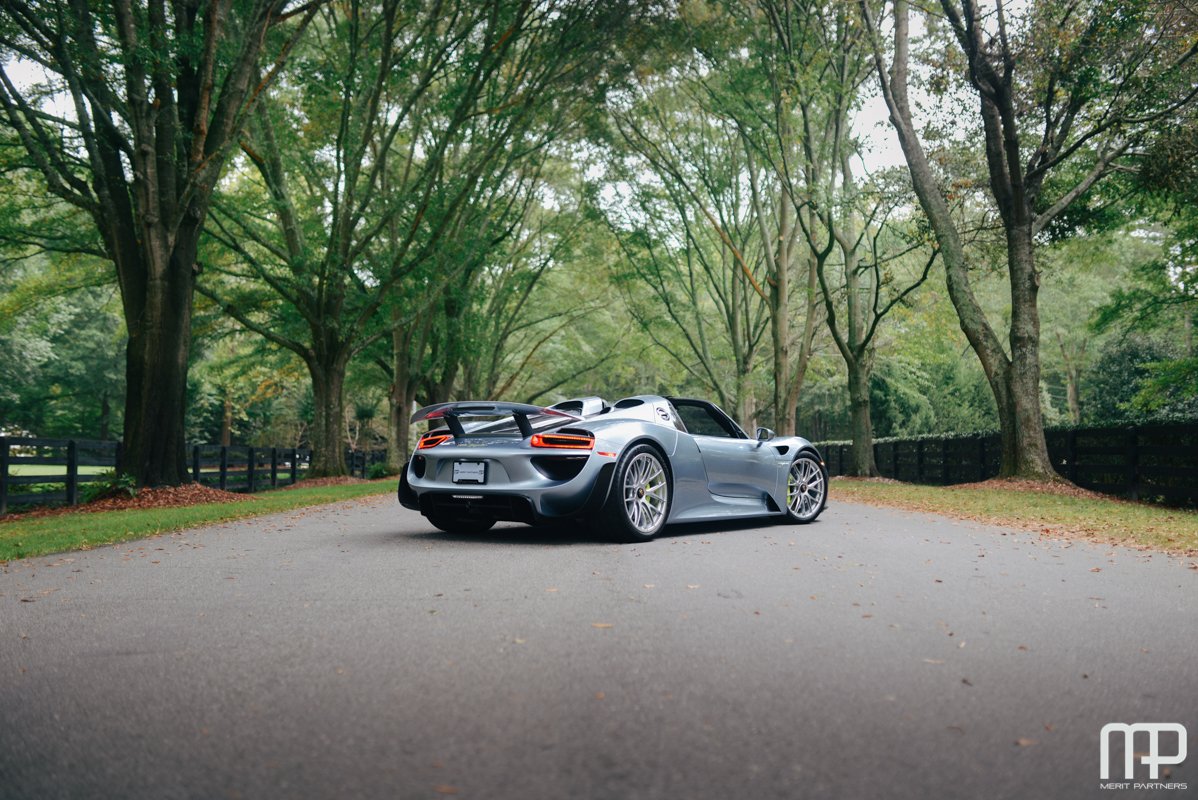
[[351, 651]]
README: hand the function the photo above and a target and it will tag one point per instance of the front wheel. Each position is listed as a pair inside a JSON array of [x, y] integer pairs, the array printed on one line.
[[806, 489], [639, 501]]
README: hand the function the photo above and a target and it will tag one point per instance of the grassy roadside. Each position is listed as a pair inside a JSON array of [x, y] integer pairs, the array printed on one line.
[[21, 538], [1050, 512]]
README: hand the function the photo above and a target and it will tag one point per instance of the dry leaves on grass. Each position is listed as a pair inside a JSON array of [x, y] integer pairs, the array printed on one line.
[[312, 483], [191, 494], [1060, 530]]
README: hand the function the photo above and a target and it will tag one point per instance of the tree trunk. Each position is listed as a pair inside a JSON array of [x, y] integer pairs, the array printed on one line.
[[1072, 396], [780, 323], [862, 462], [328, 384], [1025, 450], [226, 422], [158, 302], [105, 416]]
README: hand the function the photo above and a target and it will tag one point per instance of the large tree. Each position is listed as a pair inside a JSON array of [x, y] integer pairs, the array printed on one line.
[[391, 172], [131, 118], [1067, 92]]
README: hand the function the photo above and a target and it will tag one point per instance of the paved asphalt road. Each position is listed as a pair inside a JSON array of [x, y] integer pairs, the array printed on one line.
[[351, 651]]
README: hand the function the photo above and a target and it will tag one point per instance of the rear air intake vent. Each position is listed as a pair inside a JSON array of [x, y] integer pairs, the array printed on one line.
[[559, 468]]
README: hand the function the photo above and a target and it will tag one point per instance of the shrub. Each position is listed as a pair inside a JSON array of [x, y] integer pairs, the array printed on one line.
[[378, 470], [110, 484]]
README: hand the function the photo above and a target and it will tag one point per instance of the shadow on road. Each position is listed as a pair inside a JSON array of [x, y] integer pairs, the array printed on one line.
[[579, 533]]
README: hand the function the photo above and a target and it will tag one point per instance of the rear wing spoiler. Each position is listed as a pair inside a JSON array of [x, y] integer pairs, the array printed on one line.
[[452, 412]]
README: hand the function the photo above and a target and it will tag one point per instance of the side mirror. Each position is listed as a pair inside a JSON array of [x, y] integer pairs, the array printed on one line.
[[764, 434]]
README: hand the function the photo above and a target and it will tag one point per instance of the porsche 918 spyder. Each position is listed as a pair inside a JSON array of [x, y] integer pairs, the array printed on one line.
[[630, 468]]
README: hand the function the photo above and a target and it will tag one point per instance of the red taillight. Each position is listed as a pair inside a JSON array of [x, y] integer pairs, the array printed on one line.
[[433, 439], [562, 441]]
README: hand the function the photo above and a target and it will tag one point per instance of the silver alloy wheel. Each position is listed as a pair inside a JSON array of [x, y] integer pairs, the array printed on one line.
[[646, 492], [805, 488]]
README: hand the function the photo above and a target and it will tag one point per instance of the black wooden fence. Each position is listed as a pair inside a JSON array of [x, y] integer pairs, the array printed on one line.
[[1156, 463], [49, 471]]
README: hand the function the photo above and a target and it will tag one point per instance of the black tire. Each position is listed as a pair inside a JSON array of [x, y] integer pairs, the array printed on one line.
[[806, 489], [641, 494], [464, 524]]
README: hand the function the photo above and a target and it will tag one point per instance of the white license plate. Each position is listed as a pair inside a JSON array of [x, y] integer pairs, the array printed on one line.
[[469, 472]]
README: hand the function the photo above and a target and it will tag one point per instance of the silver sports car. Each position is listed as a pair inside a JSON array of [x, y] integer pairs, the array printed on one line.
[[630, 468]]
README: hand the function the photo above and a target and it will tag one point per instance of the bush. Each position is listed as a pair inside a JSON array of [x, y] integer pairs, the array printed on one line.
[[378, 470], [109, 484]]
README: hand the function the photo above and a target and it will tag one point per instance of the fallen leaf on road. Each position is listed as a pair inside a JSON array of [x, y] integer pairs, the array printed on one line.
[[933, 661], [600, 695], [1022, 647], [445, 789], [966, 681], [1023, 742], [1096, 569], [649, 585], [957, 729], [551, 589], [601, 625], [692, 586]]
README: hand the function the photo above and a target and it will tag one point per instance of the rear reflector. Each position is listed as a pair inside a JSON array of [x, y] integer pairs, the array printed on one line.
[[562, 441]]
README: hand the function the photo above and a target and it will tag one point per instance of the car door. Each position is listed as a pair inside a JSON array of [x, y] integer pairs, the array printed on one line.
[[736, 466]]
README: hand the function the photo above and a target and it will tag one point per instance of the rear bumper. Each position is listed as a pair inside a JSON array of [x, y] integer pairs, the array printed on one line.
[[516, 490]]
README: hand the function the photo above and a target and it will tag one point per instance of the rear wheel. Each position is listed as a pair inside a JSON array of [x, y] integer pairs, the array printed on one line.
[[463, 524], [806, 489], [639, 501]]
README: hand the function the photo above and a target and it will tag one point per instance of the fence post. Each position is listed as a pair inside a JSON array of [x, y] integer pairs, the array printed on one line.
[[195, 463], [274, 467], [944, 461], [3, 475], [919, 461], [72, 473], [982, 457], [1071, 455], [1133, 463], [294, 465], [224, 467], [251, 471], [117, 453]]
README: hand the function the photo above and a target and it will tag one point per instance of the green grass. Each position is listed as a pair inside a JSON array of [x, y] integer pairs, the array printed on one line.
[[36, 536], [1104, 519], [51, 470]]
